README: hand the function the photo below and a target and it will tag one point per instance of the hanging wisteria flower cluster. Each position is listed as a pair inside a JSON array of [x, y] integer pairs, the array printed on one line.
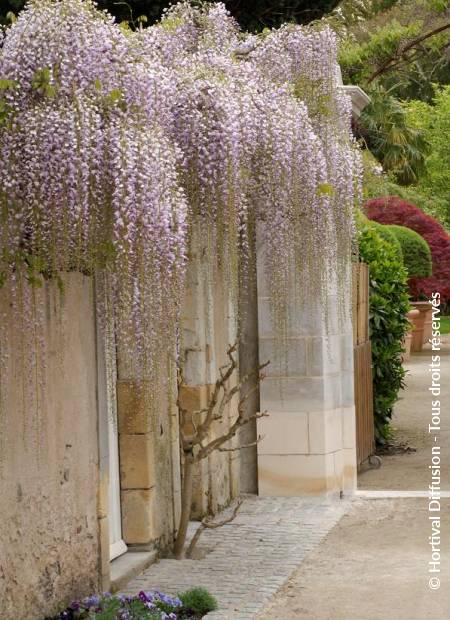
[[114, 145]]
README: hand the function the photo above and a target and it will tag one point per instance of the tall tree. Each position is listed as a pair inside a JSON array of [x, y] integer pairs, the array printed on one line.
[[434, 121], [399, 146], [404, 47]]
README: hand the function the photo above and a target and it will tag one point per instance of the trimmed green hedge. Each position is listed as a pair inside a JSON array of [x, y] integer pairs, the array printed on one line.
[[389, 235], [416, 251], [388, 305]]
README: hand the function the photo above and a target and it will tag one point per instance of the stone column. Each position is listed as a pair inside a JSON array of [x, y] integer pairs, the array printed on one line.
[[309, 436], [248, 361]]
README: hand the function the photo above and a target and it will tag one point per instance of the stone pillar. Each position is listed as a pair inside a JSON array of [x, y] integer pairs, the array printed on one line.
[[248, 361], [309, 435]]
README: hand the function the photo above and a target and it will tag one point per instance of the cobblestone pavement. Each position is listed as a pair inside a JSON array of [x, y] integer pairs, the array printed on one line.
[[246, 561]]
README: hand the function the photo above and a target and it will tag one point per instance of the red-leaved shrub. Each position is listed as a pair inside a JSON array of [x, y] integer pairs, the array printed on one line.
[[394, 210]]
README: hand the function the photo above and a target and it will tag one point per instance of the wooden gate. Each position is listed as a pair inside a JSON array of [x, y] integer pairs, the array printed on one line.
[[365, 433]]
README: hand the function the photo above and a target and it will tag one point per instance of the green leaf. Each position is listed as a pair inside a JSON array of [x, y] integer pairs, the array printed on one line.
[[8, 84], [325, 189]]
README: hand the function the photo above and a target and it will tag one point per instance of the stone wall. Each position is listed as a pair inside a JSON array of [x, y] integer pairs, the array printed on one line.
[[149, 462], [209, 327], [49, 547], [54, 468]]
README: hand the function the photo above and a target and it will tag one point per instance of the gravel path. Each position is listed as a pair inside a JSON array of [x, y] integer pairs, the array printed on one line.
[[411, 417], [372, 566]]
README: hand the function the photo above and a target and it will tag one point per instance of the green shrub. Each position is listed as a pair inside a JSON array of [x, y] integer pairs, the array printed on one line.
[[198, 602], [388, 305], [388, 235], [416, 251]]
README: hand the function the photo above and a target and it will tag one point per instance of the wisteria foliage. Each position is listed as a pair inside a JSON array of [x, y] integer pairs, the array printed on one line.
[[115, 144]]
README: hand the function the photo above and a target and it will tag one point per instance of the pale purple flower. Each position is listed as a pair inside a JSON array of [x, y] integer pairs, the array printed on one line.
[[117, 144]]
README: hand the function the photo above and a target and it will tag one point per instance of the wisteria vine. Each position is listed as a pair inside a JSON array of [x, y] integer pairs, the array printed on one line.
[[115, 144]]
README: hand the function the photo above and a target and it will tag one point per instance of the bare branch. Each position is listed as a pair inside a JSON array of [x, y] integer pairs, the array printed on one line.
[[401, 52], [219, 441], [247, 445], [220, 384], [215, 524], [206, 524]]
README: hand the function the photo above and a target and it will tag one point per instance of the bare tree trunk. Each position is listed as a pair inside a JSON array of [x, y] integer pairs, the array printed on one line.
[[186, 501], [198, 445]]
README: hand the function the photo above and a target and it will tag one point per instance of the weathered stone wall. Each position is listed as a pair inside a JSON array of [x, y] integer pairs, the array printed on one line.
[[49, 549], [209, 327], [149, 462]]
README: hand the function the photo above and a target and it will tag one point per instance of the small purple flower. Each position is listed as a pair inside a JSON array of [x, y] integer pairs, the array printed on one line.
[[143, 596], [91, 601]]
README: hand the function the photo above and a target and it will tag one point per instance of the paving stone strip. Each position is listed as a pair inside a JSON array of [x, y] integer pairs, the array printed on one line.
[[246, 561]]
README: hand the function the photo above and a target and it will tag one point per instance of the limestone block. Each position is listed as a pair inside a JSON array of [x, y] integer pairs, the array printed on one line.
[[335, 324], [136, 461], [284, 432], [195, 366], [235, 471], [103, 527], [308, 322], [137, 516], [193, 397], [347, 389], [348, 427], [300, 394], [324, 355], [349, 470], [294, 475], [133, 408], [337, 484], [103, 491], [176, 479], [347, 352], [325, 431], [292, 363]]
